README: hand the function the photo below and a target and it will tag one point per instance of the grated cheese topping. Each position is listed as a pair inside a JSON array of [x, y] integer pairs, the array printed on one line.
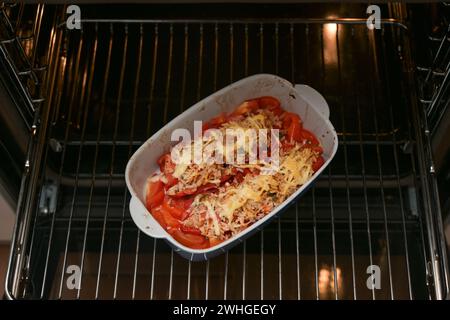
[[235, 206]]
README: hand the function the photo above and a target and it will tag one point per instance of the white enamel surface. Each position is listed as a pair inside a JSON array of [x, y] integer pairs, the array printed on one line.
[[313, 98], [302, 99]]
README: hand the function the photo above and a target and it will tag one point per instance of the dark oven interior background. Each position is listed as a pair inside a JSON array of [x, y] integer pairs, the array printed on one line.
[[100, 92]]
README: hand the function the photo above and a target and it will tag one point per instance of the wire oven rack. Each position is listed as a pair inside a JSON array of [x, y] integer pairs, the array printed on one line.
[[113, 83]]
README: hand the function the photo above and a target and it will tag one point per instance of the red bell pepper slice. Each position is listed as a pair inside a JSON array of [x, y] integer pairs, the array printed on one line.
[[318, 163], [190, 240], [271, 104], [170, 221], [309, 137], [190, 230], [157, 214], [246, 107], [155, 194], [167, 166], [294, 131]]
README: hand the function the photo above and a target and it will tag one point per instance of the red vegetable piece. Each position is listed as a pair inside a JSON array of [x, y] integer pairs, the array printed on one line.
[[157, 214], [214, 241], [271, 104], [169, 220], [309, 137], [246, 107], [190, 230], [190, 240], [318, 163], [175, 211], [155, 194], [294, 131]]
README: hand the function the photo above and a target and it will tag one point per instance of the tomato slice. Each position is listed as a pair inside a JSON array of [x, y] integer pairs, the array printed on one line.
[[155, 194], [225, 178], [309, 137], [190, 230], [288, 118], [157, 214], [214, 241], [167, 166], [165, 163], [234, 117], [317, 149], [206, 187], [293, 125], [318, 163], [271, 104], [169, 220], [175, 211], [185, 192], [217, 121], [190, 240], [192, 191], [294, 131], [245, 107], [286, 145]]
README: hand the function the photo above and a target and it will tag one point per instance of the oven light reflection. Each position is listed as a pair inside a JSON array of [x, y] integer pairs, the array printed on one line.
[[330, 44], [330, 29], [326, 282]]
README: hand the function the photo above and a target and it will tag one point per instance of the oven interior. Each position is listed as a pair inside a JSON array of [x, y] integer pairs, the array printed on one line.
[[96, 94]]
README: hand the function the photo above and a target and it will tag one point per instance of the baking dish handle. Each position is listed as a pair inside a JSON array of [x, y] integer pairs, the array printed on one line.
[[314, 98], [144, 220]]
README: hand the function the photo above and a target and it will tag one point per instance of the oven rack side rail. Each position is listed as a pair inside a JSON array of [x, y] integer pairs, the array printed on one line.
[[30, 80]]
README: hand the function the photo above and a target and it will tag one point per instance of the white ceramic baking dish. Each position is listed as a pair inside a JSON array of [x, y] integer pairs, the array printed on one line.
[[301, 99]]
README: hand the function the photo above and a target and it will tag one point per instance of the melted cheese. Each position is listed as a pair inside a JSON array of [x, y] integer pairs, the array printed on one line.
[[234, 207], [296, 168], [251, 189], [213, 216]]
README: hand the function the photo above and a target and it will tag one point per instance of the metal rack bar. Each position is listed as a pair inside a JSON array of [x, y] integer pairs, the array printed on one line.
[[422, 236], [350, 220], [166, 107], [169, 73], [66, 135], [316, 262], [103, 98], [380, 169], [363, 171], [182, 108], [396, 162], [149, 118], [91, 191], [297, 241], [347, 21], [54, 41], [135, 98], [330, 189], [125, 191], [185, 62], [340, 134], [37, 31]]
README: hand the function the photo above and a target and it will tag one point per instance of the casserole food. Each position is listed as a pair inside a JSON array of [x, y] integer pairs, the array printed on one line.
[[268, 156], [301, 100]]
